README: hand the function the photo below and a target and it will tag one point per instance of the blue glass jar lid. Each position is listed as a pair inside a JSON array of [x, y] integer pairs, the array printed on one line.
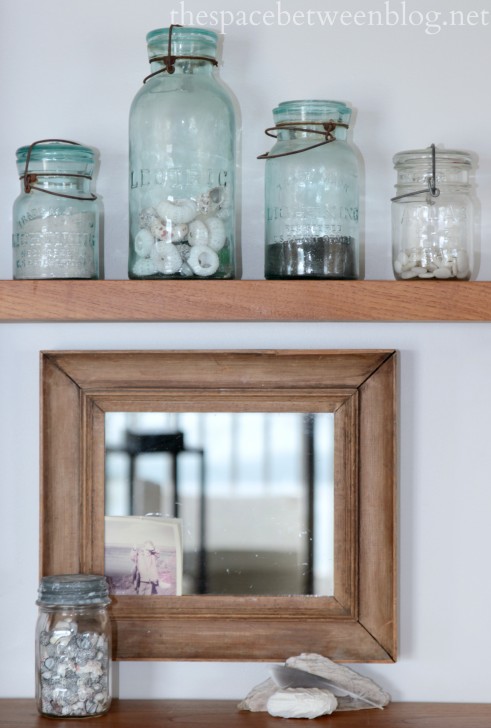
[[56, 152], [312, 110], [185, 42], [73, 590]]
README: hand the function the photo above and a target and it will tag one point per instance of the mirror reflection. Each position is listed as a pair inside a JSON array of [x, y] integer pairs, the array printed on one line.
[[253, 493]]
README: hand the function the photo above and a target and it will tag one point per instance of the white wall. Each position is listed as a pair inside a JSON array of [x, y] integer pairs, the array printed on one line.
[[71, 70]]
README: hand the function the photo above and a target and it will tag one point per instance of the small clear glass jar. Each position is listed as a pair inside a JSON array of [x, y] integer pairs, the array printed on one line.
[[55, 217], [73, 647], [182, 136], [433, 215], [311, 193]]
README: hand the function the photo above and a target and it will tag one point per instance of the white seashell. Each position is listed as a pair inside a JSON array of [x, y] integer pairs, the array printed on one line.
[[186, 271], [143, 243], [430, 274], [179, 233], [148, 217], [203, 203], [203, 261], [217, 234], [224, 213], [301, 703], [407, 274], [166, 259], [159, 231], [443, 273], [179, 211], [144, 267], [198, 233]]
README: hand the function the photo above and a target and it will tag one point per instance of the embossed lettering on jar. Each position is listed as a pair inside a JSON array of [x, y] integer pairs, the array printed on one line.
[[433, 219], [182, 162], [56, 217], [311, 193]]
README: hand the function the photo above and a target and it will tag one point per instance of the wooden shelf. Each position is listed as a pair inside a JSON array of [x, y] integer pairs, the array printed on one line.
[[139, 301], [224, 714]]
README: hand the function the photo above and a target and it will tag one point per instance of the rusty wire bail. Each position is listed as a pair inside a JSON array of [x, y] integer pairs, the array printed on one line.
[[430, 181], [169, 60], [328, 127], [30, 178]]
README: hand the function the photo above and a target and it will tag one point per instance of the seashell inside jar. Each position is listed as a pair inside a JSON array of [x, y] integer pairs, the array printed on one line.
[[185, 238]]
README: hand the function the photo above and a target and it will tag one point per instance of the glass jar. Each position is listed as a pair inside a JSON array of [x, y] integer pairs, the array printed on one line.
[[433, 215], [73, 646], [311, 193], [182, 162], [55, 217]]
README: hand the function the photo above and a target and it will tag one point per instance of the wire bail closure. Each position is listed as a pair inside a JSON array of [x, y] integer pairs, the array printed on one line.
[[169, 60], [30, 178], [431, 188], [328, 127]]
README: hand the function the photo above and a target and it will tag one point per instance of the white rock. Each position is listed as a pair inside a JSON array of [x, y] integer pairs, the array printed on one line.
[[301, 703], [443, 273]]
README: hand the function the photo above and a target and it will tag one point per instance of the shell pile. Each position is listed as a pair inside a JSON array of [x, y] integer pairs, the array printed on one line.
[[182, 237], [440, 263], [74, 671]]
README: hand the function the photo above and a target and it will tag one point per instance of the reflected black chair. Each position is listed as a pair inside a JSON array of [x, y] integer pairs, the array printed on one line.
[[171, 443]]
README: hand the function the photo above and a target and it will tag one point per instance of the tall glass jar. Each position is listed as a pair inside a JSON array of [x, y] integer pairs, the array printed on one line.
[[55, 217], [182, 162], [433, 215], [312, 199], [73, 646]]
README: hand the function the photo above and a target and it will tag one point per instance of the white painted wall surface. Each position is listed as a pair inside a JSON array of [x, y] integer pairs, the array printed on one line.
[[71, 70]]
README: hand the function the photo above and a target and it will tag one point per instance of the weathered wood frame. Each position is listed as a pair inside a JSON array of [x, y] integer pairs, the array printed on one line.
[[357, 623]]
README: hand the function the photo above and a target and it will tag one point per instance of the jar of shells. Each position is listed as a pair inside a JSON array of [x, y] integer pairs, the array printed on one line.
[[73, 647], [433, 215], [182, 162]]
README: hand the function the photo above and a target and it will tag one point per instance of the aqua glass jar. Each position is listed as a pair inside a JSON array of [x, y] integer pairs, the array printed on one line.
[[73, 646], [56, 216], [433, 215], [182, 162], [311, 193]]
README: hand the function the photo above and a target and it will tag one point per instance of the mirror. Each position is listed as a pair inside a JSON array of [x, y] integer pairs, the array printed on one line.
[[353, 618], [254, 490]]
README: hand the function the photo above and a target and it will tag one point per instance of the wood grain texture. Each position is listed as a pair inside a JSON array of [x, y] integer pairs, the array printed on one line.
[[224, 714], [79, 300], [79, 387]]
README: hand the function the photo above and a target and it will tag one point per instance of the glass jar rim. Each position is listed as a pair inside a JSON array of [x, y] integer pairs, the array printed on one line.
[[56, 152], [185, 40], [73, 590], [450, 156], [312, 110]]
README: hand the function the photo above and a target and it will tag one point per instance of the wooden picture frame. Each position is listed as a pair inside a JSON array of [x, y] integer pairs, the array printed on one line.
[[358, 623]]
